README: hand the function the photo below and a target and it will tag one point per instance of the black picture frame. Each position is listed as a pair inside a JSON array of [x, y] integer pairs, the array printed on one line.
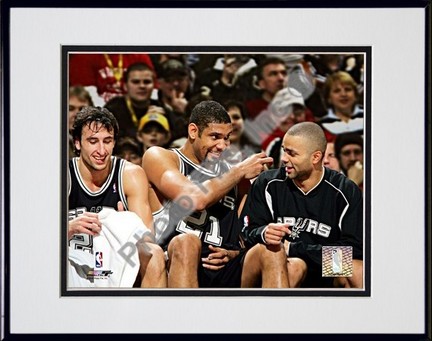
[[9, 191]]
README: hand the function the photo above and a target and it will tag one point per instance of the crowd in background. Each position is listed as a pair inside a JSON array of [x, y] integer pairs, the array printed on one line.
[[152, 96]]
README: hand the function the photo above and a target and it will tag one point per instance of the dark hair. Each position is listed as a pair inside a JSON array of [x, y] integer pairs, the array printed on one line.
[[128, 143], [172, 67], [343, 139], [234, 103], [137, 67], [87, 115], [207, 112], [265, 62]]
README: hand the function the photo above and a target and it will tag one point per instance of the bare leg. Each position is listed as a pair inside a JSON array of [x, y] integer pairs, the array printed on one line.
[[184, 253], [297, 270], [266, 265], [152, 273]]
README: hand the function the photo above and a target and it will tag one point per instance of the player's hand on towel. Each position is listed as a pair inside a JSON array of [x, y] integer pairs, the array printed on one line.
[[87, 223]]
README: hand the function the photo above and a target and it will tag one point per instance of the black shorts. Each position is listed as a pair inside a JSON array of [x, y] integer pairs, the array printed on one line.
[[315, 279], [227, 277]]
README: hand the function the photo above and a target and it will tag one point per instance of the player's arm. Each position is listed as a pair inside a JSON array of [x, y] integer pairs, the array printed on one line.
[[352, 224], [162, 169], [136, 186], [257, 219]]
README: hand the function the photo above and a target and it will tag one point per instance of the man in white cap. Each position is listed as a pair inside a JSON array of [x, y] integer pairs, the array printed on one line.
[[288, 106]]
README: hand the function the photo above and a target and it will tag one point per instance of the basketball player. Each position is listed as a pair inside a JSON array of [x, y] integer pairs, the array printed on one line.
[[99, 180], [195, 207], [308, 206]]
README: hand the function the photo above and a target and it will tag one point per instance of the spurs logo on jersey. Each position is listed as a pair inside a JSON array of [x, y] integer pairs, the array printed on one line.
[[305, 224]]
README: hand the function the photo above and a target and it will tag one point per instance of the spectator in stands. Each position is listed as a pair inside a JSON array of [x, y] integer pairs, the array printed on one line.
[[272, 76], [330, 160], [79, 98], [288, 107], [174, 80], [103, 73], [240, 146], [344, 114], [220, 80], [134, 104], [130, 149], [349, 151], [153, 130]]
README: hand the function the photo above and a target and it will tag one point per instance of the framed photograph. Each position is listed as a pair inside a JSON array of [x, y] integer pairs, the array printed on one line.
[[390, 65], [305, 71]]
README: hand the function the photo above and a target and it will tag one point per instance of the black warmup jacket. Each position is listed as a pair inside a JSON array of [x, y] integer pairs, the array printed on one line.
[[329, 214]]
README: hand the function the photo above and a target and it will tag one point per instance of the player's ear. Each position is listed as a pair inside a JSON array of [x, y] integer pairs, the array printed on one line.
[[77, 144], [317, 157], [193, 130]]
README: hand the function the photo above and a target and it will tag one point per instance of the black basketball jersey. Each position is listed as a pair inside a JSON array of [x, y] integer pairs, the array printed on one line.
[[329, 214], [217, 225], [82, 199]]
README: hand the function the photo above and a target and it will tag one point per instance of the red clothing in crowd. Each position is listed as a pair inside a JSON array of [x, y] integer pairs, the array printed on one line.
[[105, 71]]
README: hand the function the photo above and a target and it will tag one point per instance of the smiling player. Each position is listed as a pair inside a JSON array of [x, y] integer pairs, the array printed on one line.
[[307, 206], [98, 180], [194, 202]]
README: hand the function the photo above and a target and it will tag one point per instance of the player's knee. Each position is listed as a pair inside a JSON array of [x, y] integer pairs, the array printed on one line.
[[272, 254], [184, 246], [355, 280], [158, 256], [297, 271]]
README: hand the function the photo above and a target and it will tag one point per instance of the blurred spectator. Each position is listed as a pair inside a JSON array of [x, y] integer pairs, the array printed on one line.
[[186, 58], [344, 114], [330, 159], [288, 105], [129, 149], [302, 77], [325, 64], [174, 84], [353, 64], [349, 151], [272, 76], [103, 71], [240, 146], [153, 130], [79, 98], [221, 79], [196, 98], [174, 94], [134, 104]]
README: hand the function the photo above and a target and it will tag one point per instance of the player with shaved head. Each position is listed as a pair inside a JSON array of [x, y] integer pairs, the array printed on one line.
[[316, 212]]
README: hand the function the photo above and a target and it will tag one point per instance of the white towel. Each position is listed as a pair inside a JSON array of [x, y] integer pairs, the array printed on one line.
[[115, 261]]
